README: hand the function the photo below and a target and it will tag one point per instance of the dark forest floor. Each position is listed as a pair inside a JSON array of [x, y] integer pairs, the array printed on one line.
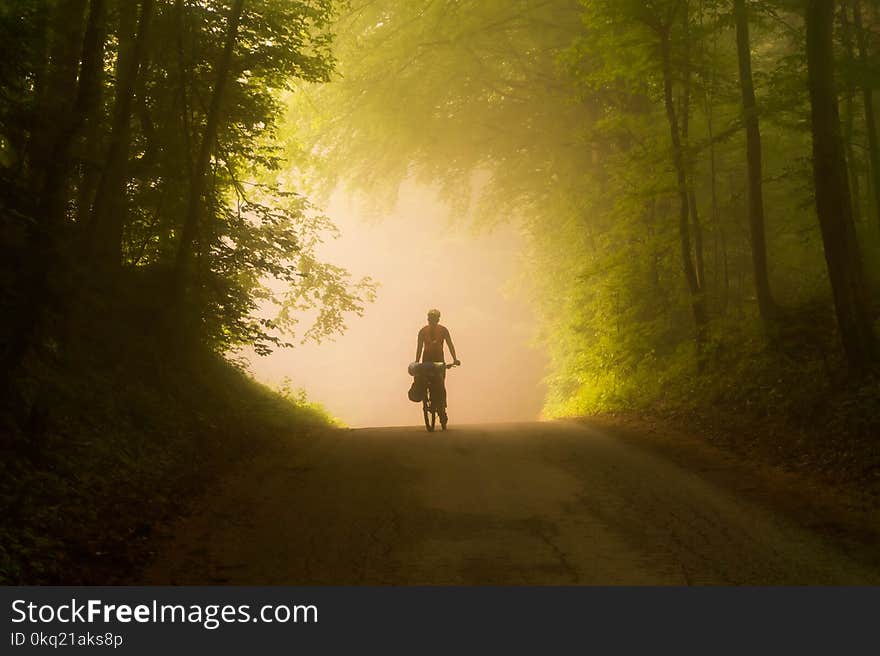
[[824, 461], [120, 450]]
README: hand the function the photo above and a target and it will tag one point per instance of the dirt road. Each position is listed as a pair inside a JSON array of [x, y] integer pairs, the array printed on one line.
[[542, 503]]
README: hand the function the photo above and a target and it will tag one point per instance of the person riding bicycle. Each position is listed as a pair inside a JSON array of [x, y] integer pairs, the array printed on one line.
[[430, 349]]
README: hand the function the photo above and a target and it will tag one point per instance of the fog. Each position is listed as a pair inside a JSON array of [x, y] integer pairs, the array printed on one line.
[[420, 260]]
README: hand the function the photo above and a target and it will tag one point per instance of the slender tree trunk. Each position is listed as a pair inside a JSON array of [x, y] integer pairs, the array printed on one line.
[[37, 119], [717, 230], [109, 211], [655, 256], [870, 120], [766, 305], [60, 103], [54, 128], [725, 294], [199, 174], [182, 80], [851, 159], [696, 226], [91, 149], [92, 68], [698, 304], [90, 56], [88, 117], [833, 203], [849, 120], [720, 247]]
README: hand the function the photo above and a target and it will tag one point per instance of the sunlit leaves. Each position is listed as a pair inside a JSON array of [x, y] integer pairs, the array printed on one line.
[[256, 245], [269, 251]]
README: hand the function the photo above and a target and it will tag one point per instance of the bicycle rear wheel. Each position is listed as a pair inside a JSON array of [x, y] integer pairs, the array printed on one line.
[[428, 411]]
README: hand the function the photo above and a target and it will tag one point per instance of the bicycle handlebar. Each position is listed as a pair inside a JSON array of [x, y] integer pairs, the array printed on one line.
[[425, 368]]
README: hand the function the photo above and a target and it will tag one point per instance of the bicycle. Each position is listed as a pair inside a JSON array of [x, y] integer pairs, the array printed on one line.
[[431, 371]]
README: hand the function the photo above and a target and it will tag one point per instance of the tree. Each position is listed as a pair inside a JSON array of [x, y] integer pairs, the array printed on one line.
[[94, 49], [849, 115], [59, 105], [109, 210], [206, 147], [868, 103], [833, 202], [56, 108], [101, 200], [663, 27], [766, 304]]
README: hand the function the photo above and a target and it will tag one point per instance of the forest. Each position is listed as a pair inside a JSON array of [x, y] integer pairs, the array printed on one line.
[[697, 184], [140, 224], [696, 181]]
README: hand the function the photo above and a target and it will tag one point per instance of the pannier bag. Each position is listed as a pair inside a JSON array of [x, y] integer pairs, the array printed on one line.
[[419, 371], [416, 392]]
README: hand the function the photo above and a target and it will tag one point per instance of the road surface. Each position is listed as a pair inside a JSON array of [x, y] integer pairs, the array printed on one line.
[[540, 503]]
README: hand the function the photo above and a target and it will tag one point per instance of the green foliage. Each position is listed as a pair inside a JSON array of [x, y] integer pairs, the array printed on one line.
[[270, 265], [255, 244], [299, 399], [440, 91]]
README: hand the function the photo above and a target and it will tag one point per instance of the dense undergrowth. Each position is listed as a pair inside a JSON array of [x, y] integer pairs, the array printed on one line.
[[116, 434], [784, 397]]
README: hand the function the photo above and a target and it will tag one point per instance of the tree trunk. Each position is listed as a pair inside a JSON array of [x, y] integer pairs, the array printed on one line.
[[95, 39], [696, 227], [199, 174], [716, 235], [108, 212], [833, 203], [698, 304], [720, 245], [59, 103], [766, 305], [870, 121], [182, 78], [717, 229], [49, 155], [849, 120]]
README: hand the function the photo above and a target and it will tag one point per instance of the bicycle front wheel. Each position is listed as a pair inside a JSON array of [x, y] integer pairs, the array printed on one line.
[[429, 412]]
